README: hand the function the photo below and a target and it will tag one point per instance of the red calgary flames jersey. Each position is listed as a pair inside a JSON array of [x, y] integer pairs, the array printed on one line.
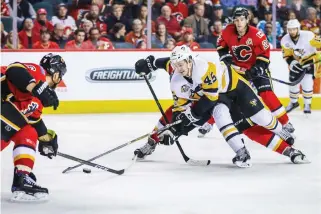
[[29, 105], [247, 49]]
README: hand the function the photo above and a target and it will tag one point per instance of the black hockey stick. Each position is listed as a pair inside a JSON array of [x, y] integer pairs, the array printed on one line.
[[186, 158], [118, 172], [294, 82], [125, 144]]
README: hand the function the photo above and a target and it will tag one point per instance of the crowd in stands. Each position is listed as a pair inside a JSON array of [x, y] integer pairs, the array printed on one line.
[[110, 24]]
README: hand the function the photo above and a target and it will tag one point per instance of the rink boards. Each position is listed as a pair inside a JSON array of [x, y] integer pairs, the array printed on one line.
[[102, 81]]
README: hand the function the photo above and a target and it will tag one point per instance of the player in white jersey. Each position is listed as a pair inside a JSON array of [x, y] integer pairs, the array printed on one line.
[[300, 48], [199, 86]]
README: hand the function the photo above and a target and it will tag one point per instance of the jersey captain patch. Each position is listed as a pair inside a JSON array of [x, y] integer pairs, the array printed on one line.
[[242, 52]]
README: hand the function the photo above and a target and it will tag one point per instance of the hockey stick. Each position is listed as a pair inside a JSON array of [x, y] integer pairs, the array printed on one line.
[[118, 172], [294, 82], [186, 158], [125, 144]]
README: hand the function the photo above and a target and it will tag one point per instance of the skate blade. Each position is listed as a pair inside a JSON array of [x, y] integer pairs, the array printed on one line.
[[21, 196], [201, 135], [243, 164], [299, 160]]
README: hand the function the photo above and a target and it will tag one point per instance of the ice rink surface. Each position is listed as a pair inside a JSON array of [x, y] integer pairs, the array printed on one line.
[[164, 183]]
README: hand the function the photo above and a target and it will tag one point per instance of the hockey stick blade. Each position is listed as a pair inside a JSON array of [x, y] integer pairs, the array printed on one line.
[[123, 145], [98, 166]]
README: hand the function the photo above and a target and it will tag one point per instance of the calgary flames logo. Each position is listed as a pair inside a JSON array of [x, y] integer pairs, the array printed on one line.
[[242, 52]]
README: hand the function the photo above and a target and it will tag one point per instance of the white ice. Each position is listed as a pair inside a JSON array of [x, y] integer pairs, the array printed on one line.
[[164, 183]]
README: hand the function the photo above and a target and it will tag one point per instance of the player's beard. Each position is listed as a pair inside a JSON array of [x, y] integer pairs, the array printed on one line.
[[296, 37]]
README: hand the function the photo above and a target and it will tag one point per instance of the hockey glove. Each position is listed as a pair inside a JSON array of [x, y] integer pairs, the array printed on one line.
[[145, 66], [188, 117], [48, 144], [46, 95], [227, 59], [166, 138], [254, 72]]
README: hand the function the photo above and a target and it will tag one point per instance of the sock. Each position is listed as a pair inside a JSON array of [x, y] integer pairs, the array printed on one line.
[[266, 138], [24, 151], [274, 104]]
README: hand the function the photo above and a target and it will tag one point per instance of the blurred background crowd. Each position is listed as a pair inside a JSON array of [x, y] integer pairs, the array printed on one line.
[[113, 24]]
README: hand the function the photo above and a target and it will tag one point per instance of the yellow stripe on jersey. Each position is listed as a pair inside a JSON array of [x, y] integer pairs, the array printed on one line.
[[8, 122], [16, 65], [287, 52], [210, 82], [263, 59], [3, 77], [316, 42], [167, 65]]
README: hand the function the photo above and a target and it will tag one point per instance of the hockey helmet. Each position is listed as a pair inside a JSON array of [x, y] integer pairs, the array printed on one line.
[[180, 53], [54, 63], [240, 11], [293, 23]]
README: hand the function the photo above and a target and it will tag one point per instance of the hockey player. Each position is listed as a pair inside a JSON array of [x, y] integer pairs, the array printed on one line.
[[246, 49], [196, 85], [25, 89], [300, 48]]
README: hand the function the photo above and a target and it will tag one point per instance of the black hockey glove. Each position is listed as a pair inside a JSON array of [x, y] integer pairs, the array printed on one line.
[[166, 138], [46, 95], [145, 66], [296, 71], [48, 144], [254, 72]]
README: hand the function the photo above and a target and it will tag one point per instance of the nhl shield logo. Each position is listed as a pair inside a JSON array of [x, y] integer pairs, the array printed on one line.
[[249, 41]]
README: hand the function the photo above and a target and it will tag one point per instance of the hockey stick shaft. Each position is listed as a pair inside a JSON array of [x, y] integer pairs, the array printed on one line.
[[98, 166], [124, 145], [186, 158], [294, 82]]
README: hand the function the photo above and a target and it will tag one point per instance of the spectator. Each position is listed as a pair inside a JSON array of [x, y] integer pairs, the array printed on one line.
[[4, 35], [58, 35], [4, 9], [86, 25], [268, 33], [45, 42], [26, 35], [170, 21], [317, 5], [117, 17], [208, 13], [143, 17], [198, 23], [188, 39], [63, 18], [140, 44], [229, 4], [311, 23], [268, 18], [96, 41], [97, 20], [104, 9], [118, 33], [216, 32], [24, 10], [136, 33], [178, 7], [253, 21], [218, 14], [299, 9], [9, 42], [131, 9], [156, 9], [41, 23], [263, 5], [78, 42], [170, 44], [291, 15], [161, 36], [285, 29]]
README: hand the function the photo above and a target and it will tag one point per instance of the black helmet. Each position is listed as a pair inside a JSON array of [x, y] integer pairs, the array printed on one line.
[[54, 63], [240, 11]]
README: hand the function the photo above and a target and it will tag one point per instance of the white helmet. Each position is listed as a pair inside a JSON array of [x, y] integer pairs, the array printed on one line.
[[293, 23], [180, 53]]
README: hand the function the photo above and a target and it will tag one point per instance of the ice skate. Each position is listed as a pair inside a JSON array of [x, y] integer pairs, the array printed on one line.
[[147, 149], [289, 127], [307, 109], [291, 106], [203, 130], [242, 158], [287, 136], [296, 156], [25, 189]]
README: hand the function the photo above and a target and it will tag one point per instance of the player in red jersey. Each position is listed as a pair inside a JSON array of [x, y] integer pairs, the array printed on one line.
[[246, 49], [256, 133], [25, 89]]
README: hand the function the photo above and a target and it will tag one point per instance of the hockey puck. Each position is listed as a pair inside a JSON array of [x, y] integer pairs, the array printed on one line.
[[86, 170]]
